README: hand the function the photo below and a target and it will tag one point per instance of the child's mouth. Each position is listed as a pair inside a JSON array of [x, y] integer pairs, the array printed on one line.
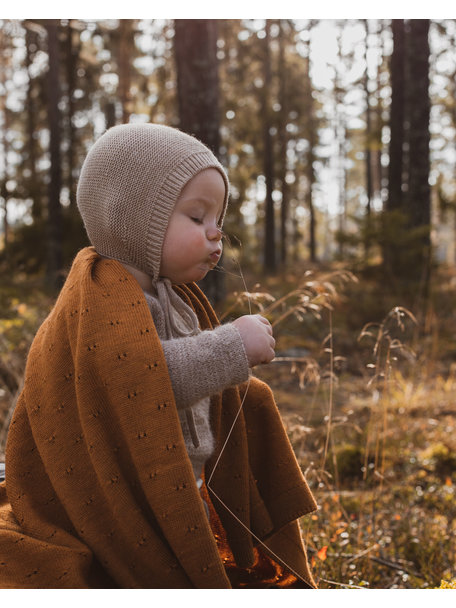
[[214, 257]]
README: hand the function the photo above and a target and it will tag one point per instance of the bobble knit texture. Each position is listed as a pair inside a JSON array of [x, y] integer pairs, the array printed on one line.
[[99, 488], [129, 184]]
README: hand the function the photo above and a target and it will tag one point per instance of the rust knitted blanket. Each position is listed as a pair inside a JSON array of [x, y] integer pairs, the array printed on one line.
[[99, 489]]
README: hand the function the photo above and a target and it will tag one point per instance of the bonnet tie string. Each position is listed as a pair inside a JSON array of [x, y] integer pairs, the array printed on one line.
[[180, 319], [180, 322]]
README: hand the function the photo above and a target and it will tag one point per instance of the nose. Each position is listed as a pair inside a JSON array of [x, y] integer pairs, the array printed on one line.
[[214, 233]]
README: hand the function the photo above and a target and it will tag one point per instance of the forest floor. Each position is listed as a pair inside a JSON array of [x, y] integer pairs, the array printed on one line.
[[367, 395], [365, 385]]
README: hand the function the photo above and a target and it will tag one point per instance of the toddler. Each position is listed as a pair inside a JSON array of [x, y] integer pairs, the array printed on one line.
[[142, 453]]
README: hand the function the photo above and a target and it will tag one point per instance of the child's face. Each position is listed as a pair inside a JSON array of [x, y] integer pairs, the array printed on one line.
[[192, 244]]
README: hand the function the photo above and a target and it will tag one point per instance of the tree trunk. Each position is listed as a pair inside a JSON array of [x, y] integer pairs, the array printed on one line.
[[34, 188], [419, 193], [71, 56], [379, 171], [312, 136], [4, 143], [407, 222], [340, 132], [195, 51], [368, 154], [394, 202], [195, 46], [283, 143], [124, 64], [54, 258], [453, 121], [110, 114], [268, 162]]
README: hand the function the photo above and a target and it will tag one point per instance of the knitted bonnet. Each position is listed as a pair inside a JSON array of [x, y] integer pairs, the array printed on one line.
[[130, 182]]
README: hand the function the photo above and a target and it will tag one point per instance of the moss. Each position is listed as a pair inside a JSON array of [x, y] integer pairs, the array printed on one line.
[[440, 458], [349, 461]]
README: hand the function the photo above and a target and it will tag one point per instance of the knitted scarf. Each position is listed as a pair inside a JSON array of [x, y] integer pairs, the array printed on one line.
[[99, 488]]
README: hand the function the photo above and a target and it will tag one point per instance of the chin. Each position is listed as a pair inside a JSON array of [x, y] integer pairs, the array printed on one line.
[[200, 277], [191, 277], [201, 273]]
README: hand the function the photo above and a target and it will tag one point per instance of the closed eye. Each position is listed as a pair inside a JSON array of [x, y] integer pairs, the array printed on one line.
[[197, 220]]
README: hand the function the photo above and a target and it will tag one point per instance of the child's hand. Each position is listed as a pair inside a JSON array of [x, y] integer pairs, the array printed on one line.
[[256, 333]]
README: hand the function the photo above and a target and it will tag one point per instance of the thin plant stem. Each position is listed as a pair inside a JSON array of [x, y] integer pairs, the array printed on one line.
[[331, 388]]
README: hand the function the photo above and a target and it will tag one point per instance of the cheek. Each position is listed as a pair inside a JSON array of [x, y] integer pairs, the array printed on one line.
[[183, 245], [194, 241]]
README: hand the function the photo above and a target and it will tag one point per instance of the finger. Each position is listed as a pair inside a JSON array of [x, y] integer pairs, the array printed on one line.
[[269, 357], [267, 325], [264, 320]]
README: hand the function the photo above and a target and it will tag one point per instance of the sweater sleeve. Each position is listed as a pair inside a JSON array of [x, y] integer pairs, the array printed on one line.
[[202, 365], [205, 364]]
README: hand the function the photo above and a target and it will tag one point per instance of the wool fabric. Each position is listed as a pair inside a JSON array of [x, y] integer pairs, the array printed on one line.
[[99, 488], [219, 357], [129, 184]]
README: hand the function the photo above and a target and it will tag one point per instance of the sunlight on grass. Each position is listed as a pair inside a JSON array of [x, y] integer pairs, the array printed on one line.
[[386, 489]]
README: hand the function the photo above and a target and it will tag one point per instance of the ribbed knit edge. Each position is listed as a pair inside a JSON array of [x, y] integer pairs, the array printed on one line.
[[167, 198], [234, 354]]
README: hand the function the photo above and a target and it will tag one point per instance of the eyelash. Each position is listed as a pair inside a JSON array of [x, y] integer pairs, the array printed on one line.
[[200, 222]]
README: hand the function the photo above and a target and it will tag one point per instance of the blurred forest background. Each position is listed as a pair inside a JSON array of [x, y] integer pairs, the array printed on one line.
[[339, 137]]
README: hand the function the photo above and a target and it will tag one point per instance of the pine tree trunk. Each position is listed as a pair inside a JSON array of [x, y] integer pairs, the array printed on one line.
[[396, 145], [4, 144], [54, 258], [110, 114], [268, 162], [195, 51], [195, 46], [311, 129], [368, 154], [124, 63], [283, 143], [419, 193], [394, 202], [71, 55], [34, 188], [341, 136], [407, 222], [379, 170]]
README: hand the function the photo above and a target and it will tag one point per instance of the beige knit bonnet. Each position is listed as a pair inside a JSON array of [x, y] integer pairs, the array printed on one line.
[[130, 182]]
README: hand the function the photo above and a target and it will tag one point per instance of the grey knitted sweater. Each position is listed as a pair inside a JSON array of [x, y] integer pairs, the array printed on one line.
[[199, 366]]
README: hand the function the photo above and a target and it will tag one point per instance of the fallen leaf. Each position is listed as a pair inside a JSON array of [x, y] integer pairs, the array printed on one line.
[[341, 529], [321, 554]]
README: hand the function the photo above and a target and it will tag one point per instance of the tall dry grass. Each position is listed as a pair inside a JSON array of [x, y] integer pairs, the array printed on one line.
[[375, 439]]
